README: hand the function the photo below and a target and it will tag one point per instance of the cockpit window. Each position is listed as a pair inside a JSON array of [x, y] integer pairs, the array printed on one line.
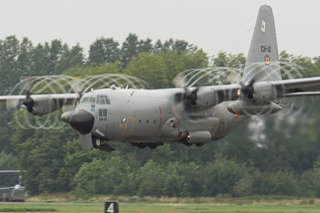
[[92, 99], [85, 100], [103, 99], [100, 100], [107, 100]]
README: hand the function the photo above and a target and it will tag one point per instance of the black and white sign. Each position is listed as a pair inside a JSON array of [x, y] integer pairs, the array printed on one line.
[[111, 207]]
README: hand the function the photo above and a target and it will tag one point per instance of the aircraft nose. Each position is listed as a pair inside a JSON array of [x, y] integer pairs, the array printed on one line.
[[82, 121]]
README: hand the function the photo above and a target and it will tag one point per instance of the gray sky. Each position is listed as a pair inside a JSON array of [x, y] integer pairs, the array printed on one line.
[[224, 25]]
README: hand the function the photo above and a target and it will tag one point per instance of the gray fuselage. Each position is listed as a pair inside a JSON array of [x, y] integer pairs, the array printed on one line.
[[152, 116]]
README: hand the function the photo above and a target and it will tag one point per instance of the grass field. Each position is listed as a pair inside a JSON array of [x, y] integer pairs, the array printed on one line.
[[174, 205]]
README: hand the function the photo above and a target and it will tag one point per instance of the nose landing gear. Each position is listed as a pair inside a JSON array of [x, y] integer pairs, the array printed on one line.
[[101, 144]]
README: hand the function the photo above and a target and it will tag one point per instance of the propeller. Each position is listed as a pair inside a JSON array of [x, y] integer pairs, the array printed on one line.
[[28, 102], [189, 96], [247, 88]]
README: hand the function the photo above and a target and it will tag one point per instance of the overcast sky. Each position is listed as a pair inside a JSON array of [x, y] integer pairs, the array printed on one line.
[[224, 25]]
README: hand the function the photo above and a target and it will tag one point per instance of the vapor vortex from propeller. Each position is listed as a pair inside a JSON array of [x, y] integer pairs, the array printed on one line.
[[61, 84]]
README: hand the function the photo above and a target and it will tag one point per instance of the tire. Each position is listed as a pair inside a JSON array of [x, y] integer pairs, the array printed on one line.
[[152, 145], [141, 145]]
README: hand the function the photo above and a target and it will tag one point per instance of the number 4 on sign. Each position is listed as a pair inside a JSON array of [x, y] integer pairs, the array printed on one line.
[[111, 207]]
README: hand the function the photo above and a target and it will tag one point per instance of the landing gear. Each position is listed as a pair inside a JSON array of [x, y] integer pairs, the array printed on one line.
[[141, 145], [101, 144], [187, 143], [96, 142], [153, 145], [144, 145]]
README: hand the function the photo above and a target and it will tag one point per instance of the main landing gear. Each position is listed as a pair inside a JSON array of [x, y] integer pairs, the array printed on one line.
[[144, 145]]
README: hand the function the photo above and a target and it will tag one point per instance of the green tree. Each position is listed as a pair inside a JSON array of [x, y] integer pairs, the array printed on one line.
[[110, 176], [129, 49], [103, 51], [220, 176], [70, 58]]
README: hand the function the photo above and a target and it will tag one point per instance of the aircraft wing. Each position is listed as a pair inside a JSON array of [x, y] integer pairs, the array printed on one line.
[[63, 97], [227, 92], [7, 188], [298, 87], [285, 88]]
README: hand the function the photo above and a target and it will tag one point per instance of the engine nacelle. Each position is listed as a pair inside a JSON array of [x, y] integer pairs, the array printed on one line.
[[264, 92], [42, 106], [206, 98]]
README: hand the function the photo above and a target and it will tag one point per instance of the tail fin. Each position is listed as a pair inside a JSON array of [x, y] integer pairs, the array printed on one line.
[[262, 61]]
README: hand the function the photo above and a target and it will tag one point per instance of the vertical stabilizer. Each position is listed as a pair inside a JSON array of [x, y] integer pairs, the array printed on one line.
[[263, 57]]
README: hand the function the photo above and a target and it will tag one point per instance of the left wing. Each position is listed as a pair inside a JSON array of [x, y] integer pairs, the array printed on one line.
[[262, 91], [283, 88], [297, 87]]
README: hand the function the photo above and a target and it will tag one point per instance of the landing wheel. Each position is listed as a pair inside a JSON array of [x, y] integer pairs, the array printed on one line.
[[186, 140], [199, 144], [152, 146], [187, 144], [141, 145], [96, 142]]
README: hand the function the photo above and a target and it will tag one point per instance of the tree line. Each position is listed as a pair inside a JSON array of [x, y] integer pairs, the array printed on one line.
[[285, 161]]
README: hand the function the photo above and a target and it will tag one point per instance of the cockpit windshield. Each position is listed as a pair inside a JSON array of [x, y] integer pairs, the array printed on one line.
[[85, 100], [88, 99], [103, 99]]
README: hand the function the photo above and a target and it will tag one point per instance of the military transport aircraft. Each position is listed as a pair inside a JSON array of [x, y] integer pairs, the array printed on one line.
[[189, 115], [12, 193]]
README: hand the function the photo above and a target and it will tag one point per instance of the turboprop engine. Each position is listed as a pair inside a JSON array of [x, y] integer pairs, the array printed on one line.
[[41, 106]]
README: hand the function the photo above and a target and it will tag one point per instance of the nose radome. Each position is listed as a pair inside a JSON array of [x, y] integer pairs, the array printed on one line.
[[82, 121]]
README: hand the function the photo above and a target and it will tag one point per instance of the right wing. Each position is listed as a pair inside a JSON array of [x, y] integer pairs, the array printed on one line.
[[66, 98], [40, 104]]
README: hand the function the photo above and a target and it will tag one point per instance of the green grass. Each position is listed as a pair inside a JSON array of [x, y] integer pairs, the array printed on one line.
[[159, 207], [10, 208]]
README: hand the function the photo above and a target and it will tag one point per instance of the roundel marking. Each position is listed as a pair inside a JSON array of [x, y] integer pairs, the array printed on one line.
[[267, 60]]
